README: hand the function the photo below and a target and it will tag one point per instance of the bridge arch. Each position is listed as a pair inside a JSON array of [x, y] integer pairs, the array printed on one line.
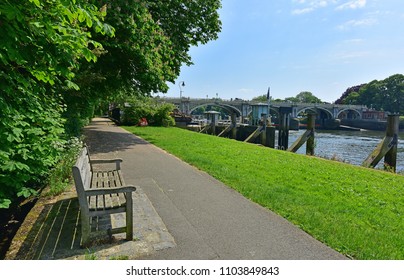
[[344, 114], [271, 111], [316, 109], [228, 108]]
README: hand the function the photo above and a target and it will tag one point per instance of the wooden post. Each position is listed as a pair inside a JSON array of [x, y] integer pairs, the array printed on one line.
[[390, 159], [283, 136], [213, 128], [234, 129], [311, 125], [264, 129], [388, 147], [307, 137], [271, 137]]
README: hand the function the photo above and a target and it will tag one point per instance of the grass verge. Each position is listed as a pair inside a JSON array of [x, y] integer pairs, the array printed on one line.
[[356, 211]]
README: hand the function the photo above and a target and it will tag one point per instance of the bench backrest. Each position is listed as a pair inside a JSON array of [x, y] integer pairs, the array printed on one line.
[[82, 175]]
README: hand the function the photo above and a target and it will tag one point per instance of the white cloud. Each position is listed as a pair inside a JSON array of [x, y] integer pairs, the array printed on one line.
[[352, 55], [356, 4], [357, 23], [309, 6], [354, 41], [302, 11]]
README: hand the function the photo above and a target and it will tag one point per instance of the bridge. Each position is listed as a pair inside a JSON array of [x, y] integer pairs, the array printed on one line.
[[243, 108]]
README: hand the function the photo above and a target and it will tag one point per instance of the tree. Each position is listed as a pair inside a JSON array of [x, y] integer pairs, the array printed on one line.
[[344, 97], [58, 58], [387, 94], [41, 46], [307, 97], [261, 98], [302, 97], [151, 42]]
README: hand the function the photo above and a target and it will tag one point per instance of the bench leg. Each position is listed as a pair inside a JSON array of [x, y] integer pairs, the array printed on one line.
[[85, 229], [129, 216]]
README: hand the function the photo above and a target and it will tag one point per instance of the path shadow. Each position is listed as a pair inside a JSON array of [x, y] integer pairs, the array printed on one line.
[[100, 137]]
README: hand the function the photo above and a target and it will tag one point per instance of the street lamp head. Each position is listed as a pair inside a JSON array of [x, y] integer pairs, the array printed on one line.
[[182, 84]]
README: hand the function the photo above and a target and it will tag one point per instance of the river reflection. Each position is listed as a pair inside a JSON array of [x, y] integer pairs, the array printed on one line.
[[349, 146]]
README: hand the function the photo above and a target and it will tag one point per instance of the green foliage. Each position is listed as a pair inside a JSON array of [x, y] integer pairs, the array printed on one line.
[[54, 71], [387, 94], [261, 98], [42, 45], [355, 210], [156, 114], [60, 176], [304, 97], [31, 143], [151, 42]]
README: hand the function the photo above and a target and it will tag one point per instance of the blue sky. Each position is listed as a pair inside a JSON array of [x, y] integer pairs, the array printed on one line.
[[321, 46]]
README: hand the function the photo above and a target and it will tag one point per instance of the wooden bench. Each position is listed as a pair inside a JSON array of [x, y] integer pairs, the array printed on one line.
[[102, 193]]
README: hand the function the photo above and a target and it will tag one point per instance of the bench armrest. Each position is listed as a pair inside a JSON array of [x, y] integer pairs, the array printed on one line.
[[117, 161], [102, 191]]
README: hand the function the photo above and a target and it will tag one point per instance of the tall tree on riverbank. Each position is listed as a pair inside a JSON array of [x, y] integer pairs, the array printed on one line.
[[304, 97], [386, 95], [151, 42]]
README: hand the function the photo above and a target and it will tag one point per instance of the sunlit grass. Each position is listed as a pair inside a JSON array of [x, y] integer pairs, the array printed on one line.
[[357, 211]]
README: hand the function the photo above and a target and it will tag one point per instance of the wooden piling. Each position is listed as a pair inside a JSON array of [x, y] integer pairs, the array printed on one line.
[[307, 137], [311, 125], [283, 136], [264, 129], [390, 159], [388, 147], [234, 129]]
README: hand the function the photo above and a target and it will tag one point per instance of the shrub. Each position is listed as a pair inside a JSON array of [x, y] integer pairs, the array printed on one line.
[[30, 143], [157, 114], [60, 176]]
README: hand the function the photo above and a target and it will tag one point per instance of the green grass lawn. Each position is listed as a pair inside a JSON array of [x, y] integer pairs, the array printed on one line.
[[357, 211]]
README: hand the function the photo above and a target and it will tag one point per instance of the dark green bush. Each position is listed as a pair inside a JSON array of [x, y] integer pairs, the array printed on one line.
[[156, 114], [30, 143]]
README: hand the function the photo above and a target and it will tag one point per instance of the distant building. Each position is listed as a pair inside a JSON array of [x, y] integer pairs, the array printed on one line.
[[374, 115]]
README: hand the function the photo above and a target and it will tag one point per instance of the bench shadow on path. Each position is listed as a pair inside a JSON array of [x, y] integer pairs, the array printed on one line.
[[56, 233]]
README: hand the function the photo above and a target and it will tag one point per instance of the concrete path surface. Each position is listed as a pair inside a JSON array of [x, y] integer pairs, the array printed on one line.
[[205, 218]]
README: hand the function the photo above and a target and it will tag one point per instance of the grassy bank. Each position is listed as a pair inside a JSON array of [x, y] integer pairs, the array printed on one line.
[[357, 211]]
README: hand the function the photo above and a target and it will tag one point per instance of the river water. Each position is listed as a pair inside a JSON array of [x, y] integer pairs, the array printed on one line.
[[349, 146]]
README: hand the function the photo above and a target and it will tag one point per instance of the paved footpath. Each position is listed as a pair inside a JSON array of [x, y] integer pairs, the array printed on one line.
[[199, 217]]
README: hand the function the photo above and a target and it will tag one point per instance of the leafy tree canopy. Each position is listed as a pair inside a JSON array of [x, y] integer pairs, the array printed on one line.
[[151, 42], [302, 97], [41, 46], [387, 94]]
